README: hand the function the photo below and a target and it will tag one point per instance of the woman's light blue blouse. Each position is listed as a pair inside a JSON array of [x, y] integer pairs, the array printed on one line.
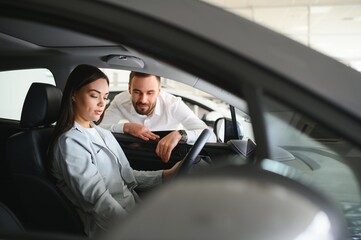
[[95, 175]]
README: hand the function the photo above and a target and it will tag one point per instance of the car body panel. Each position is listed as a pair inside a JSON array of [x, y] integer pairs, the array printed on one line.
[[186, 41]]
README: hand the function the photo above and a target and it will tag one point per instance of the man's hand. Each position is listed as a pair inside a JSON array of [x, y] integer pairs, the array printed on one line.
[[139, 131], [166, 145]]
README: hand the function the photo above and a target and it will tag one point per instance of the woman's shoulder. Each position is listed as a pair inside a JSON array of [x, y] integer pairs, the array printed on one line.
[[73, 133]]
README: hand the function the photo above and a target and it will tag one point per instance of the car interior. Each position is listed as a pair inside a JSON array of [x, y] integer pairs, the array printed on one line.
[[26, 173]]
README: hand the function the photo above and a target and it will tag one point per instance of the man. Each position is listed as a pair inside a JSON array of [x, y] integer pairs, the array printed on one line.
[[145, 108]]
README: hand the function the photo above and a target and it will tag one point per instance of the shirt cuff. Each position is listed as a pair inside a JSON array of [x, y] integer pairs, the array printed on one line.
[[194, 134], [118, 128], [191, 136]]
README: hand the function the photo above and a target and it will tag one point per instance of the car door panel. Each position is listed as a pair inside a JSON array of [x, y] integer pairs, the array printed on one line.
[[141, 154]]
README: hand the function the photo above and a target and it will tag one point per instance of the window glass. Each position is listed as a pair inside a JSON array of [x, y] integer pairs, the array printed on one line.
[[13, 88], [206, 106], [201, 103], [314, 155]]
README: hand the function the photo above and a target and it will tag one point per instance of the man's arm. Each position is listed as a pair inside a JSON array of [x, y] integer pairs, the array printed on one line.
[[192, 124], [115, 121], [112, 116], [166, 145], [140, 131]]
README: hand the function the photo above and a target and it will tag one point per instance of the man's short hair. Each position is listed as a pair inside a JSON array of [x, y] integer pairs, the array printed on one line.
[[140, 74]]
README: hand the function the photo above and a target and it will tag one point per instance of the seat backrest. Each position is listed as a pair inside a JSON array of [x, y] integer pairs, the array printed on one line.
[[43, 206]]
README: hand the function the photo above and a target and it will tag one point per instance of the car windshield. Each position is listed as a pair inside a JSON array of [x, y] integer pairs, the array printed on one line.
[[308, 152], [331, 27], [300, 148]]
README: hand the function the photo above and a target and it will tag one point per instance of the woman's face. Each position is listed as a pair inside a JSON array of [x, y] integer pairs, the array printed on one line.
[[89, 102]]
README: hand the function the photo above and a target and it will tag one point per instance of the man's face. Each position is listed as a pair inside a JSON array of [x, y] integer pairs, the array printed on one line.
[[144, 91]]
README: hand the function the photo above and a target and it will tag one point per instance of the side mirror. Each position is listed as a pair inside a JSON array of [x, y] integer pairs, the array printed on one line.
[[211, 117], [224, 131]]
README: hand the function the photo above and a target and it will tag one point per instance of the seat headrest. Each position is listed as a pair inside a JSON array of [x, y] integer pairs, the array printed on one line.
[[41, 106]]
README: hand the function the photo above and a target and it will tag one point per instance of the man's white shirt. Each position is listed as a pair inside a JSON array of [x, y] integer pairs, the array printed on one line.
[[170, 113]]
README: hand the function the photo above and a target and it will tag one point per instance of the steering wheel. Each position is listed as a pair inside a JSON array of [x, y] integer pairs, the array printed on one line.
[[191, 156]]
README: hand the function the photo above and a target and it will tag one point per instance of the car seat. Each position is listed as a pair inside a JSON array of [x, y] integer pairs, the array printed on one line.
[[41, 205]]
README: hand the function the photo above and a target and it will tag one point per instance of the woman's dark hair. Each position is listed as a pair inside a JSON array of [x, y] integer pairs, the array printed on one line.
[[79, 77]]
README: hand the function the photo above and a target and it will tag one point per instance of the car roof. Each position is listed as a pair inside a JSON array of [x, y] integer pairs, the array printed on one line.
[[273, 51]]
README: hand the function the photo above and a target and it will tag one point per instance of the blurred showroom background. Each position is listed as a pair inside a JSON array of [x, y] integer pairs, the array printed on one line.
[[332, 27]]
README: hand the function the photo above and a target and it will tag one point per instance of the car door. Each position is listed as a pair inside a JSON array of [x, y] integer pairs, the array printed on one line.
[[142, 156]]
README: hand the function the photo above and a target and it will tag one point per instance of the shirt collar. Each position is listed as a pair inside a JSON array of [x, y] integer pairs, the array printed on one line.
[[77, 126], [158, 109], [80, 127]]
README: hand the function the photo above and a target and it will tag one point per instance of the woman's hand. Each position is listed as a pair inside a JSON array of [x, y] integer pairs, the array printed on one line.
[[169, 172]]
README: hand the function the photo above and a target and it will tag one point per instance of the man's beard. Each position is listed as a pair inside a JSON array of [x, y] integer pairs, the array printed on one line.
[[149, 110]]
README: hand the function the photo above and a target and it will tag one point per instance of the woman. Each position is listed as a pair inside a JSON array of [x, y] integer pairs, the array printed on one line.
[[87, 161]]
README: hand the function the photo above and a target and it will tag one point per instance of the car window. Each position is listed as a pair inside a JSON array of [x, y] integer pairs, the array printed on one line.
[[13, 88], [315, 156], [205, 106], [118, 79]]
